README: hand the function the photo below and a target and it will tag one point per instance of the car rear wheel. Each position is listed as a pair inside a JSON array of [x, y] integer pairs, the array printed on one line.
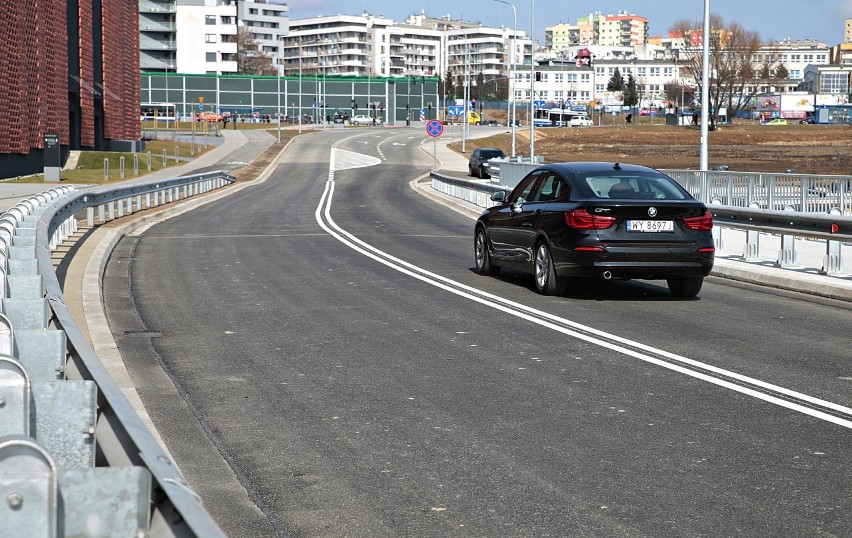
[[546, 281], [685, 286], [482, 173], [484, 265]]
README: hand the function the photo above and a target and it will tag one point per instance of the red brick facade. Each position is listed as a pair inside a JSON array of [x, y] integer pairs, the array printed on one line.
[[121, 86], [34, 85]]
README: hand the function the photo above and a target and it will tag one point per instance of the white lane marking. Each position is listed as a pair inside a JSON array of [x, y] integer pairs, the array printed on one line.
[[348, 160], [550, 321]]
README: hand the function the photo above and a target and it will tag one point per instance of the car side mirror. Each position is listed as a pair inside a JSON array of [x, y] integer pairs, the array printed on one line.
[[498, 196]]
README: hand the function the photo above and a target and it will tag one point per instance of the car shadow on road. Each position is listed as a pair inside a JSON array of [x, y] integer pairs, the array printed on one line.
[[597, 289]]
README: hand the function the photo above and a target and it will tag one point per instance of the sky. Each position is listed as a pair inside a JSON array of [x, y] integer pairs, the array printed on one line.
[[822, 20]]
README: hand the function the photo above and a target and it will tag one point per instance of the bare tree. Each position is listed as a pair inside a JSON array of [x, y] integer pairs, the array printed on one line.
[[732, 49], [250, 60]]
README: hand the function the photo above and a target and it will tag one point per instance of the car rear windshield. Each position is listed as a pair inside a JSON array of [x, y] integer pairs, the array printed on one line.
[[634, 185], [492, 154]]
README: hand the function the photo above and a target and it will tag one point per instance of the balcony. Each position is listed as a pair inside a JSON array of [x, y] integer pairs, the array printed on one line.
[[153, 63], [155, 26], [146, 43], [157, 7]]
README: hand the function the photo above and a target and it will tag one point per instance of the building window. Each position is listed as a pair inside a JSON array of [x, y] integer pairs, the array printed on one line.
[[834, 83], [209, 38], [210, 20], [210, 56]]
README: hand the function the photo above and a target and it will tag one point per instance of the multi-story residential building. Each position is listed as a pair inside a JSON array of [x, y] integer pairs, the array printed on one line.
[[342, 45], [188, 36], [421, 46], [621, 30], [847, 34], [268, 23], [560, 37]]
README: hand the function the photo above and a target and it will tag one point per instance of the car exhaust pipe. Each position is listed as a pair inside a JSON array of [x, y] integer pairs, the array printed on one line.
[[606, 275]]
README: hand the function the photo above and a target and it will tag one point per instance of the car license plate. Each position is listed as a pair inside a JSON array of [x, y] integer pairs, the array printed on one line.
[[650, 226]]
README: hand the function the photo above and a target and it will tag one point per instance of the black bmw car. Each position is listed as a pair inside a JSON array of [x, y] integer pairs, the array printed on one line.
[[600, 220]]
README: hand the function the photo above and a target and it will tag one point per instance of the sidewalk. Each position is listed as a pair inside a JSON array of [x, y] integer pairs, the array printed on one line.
[[804, 277]]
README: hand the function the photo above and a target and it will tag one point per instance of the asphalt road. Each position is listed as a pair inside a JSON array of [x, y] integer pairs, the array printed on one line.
[[308, 383]]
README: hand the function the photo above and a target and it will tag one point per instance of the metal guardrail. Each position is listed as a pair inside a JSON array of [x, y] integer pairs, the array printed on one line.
[[835, 229], [804, 193], [80, 455]]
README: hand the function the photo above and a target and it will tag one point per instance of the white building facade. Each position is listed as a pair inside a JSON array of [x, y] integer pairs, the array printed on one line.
[[268, 23], [420, 47], [188, 36]]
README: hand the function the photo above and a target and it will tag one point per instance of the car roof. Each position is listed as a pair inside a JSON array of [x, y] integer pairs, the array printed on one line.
[[584, 167]]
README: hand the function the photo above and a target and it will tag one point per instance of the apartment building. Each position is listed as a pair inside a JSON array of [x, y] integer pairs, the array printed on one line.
[[560, 37], [620, 30], [268, 23], [420, 47], [188, 36], [342, 45]]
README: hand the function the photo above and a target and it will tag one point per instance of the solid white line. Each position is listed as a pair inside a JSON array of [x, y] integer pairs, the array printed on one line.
[[540, 318]]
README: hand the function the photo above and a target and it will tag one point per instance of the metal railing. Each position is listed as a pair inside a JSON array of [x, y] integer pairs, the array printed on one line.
[[804, 193], [80, 454]]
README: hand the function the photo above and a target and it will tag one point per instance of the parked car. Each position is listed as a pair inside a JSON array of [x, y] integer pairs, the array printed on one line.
[[478, 163], [363, 119], [776, 121], [580, 121], [597, 220]]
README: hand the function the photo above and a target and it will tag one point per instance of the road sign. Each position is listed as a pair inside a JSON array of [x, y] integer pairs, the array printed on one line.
[[434, 128], [200, 98], [538, 103], [422, 114], [455, 110]]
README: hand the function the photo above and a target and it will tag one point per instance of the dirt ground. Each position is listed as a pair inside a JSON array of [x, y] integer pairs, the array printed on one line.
[[742, 146]]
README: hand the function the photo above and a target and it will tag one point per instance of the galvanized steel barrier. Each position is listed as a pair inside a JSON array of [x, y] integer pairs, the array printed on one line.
[[75, 458], [831, 226]]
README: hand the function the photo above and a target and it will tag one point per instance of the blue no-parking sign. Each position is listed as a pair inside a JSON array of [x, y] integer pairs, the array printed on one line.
[[434, 128]]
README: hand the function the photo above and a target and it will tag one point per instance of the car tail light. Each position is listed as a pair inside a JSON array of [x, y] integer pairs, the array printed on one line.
[[589, 249], [702, 223], [583, 220], [707, 249]]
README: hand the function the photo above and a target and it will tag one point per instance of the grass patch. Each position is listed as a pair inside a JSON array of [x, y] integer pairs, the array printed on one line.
[[90, 166]]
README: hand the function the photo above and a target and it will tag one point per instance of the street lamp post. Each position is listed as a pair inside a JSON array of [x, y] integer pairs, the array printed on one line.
[[705, 95], [512, 67], [532, 81]]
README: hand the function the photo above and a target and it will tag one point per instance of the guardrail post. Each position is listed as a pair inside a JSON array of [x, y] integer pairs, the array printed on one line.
[[90, 216], [120, 208], [832, 263], [787, 254], [101, 213], [111, 210], [139, 202], [14, 398], [29, 489], [148, 200], [129, 205]]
